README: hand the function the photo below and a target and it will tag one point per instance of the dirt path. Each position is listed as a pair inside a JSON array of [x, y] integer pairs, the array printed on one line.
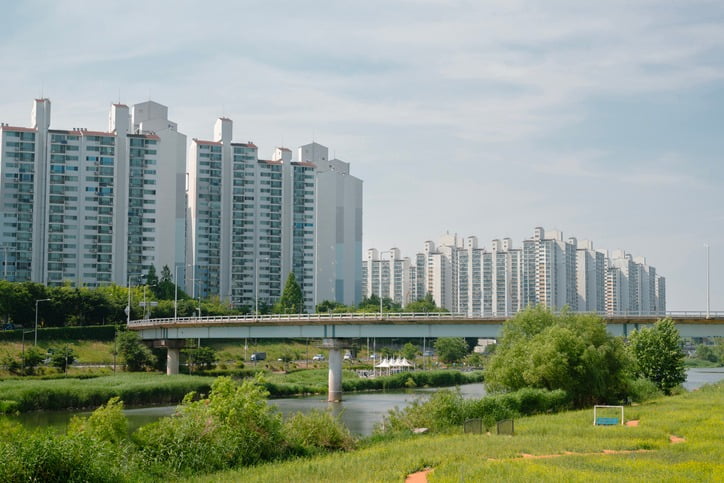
[[419, 477]]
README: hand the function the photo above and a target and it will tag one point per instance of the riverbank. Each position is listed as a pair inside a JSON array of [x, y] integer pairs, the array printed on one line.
[[560, 447], [137, 389], [134, 389]]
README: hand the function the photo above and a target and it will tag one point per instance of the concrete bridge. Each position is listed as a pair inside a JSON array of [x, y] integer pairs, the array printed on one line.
[[335, 330]]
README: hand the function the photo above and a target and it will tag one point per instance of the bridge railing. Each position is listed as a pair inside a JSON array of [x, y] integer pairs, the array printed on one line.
[[391, 316], [353, 316]]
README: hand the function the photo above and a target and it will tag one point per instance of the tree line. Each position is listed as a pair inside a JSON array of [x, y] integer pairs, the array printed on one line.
[[68, 305]]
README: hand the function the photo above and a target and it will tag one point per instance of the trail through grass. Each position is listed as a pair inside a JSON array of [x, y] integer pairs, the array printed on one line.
[[635, 453]]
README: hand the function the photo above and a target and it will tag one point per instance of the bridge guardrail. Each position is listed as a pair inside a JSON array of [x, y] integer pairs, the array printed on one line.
[[369, 316]]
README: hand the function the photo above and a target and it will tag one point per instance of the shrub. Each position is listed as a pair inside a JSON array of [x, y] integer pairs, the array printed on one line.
[[316, 432], [107, 423], [233, 427], [44, 456], [642, 389], [446, 409], [9, 407]]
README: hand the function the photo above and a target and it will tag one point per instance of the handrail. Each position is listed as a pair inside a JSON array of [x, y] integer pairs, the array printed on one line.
[[377, 316]]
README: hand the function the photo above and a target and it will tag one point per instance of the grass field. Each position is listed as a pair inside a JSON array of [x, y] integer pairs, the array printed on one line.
[[561, 447]]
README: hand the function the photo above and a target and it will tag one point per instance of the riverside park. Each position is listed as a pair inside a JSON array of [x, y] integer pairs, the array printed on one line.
[[545, 375]]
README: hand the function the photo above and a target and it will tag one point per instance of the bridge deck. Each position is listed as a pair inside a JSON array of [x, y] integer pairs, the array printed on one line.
[[355, 325]]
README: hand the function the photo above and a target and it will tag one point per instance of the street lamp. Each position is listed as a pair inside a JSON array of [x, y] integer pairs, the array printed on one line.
[[5, 262], [36, 318], [145, 304], [708, 299], [128, 307], [175, 290]]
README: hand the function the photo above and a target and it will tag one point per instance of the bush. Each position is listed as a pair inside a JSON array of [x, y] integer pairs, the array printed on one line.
[[315, 432], [642, 389], [107, 423], [233, 427], [44, 456], [447, 409], [9, 407]]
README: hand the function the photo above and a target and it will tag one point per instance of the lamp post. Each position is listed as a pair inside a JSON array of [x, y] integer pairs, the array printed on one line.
[[708, 299], [175, 289], [5, 262], [36, 318], [128, 307], [146, 311]]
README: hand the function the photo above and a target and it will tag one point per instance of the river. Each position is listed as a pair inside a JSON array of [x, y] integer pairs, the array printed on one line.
[[359, 411]]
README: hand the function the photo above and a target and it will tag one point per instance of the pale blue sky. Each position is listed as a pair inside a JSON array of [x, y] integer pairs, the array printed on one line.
[[600, 119]]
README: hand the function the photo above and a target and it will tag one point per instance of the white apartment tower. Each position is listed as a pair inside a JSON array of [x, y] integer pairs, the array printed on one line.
[[339, 228], [82, 206], [252, 221]]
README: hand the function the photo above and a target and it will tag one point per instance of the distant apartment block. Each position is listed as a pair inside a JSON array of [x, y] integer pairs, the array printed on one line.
[[501, 280]]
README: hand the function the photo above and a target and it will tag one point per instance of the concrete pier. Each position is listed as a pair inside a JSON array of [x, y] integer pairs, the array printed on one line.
[[172, 358], [173, 349], [334, 382]]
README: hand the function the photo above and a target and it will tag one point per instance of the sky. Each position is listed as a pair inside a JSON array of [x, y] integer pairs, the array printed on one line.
[[602, 120]]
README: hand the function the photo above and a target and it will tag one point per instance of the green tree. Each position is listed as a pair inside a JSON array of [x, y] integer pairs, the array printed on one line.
[[424, 305], [203, 357], [569, 351], [292, 300], [409, 351], [62, 358], [151, 276], [451, 349], [327, 306], [138, 357], [32, 358], [372, 304], [707, 353], [107, 423], [658, 355], [166, 289]]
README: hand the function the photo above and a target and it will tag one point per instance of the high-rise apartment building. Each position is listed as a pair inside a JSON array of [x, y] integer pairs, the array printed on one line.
[[100, 207], [253, 221], [338, 254], [83, 206], [502, 280]]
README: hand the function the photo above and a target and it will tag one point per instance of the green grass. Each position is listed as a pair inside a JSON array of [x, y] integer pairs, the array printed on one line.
[[696, 416], [132, 388]]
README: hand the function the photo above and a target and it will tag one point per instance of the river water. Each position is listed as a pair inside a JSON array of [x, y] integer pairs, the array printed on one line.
[[359, 411]]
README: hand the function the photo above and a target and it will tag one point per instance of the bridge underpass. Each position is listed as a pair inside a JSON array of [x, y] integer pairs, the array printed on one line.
[[336, 330]]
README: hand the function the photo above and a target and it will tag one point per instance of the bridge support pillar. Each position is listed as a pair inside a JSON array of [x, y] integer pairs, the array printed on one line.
[[173, 347], [172, 358], [334, 382]]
